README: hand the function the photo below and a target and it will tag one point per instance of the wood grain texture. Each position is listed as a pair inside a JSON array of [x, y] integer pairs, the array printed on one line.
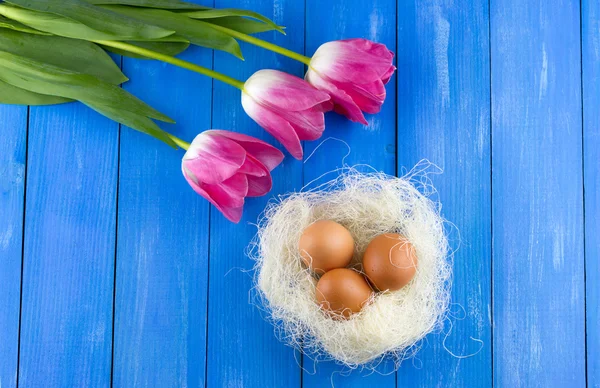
[[525, 208], [444, 116], [163, 236], [373, 145], [69, 248], [538, 261], [13, 127], [242, 348], [591, 145]]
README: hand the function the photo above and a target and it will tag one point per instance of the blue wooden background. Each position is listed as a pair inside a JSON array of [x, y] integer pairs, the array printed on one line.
[[114, 273]]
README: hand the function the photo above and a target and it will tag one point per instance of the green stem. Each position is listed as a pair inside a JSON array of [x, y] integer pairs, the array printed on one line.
[[264, 44], [172, 60], [181, 143]]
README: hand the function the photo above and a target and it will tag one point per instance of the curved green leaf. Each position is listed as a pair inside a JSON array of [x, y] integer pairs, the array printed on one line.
[[16, 26], [227, 12], [170, 45], [243, 25], [166, 48], [110, 100], [72, 54], [196, 31], [10, 94], [54, 24], [162, 4], [133, 120], [97, 18]]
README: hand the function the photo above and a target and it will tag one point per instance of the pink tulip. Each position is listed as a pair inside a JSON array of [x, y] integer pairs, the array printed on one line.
[[354, 73], [226, 167], [287, 107]]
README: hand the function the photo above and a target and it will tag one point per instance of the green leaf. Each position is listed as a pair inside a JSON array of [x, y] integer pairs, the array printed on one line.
[[55, 24], [110, 100], [10, 94], [228, 12], [72, 54], [162, 4], [196, 31], [166, 48], [97, 18], [16, 26], [135, 121], [240, 24]]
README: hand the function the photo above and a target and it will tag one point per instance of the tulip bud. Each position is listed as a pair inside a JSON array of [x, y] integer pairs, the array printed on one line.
[[354, 73], [287, 107], [226, 167]]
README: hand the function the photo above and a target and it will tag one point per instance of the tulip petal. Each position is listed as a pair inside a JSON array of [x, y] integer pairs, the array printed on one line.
[[353, 60], [226, 197], [213, 159], [253, 167], [268, 155], [229, 194], [274, 124], [216, 195], [236, 188], [369, 98], [259, 186], [310, 124], [282, 90], [343, 102], [233, 214], [386, 77]]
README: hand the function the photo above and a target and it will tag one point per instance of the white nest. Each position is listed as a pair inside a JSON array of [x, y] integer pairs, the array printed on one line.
[[368, 205]]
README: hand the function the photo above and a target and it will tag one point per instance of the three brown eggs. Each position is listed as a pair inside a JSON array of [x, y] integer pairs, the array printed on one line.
[[326, 247]]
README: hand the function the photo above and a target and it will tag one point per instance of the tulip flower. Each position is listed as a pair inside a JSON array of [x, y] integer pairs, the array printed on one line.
[[287, 107], [226, 167], [354, 73]]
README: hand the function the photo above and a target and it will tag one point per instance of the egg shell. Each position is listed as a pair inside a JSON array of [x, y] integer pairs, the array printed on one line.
[[342, 292], [390, 262], [325, 245]]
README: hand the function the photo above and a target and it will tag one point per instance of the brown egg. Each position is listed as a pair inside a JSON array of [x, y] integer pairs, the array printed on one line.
[[343, 292], [325, 245], [390, 262]]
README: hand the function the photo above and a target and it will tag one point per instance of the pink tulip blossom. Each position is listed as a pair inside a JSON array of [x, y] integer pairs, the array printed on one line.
[[354, 73], [226, 167], [287, 107]]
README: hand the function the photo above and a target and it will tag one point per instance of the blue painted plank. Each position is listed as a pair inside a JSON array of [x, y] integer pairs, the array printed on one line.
[[162, 244], [13, 126], [591, 146], [538, 258], [444, 116], [242, 348], [375, 145], [69, 237]]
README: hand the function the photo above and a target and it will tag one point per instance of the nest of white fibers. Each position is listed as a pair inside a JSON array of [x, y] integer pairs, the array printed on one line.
[[368, 204]]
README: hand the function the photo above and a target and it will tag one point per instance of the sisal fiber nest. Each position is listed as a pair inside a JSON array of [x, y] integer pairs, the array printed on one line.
[[368, 204]]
